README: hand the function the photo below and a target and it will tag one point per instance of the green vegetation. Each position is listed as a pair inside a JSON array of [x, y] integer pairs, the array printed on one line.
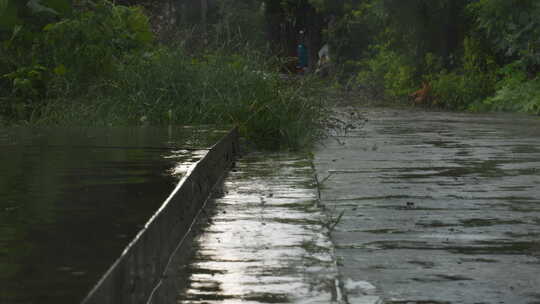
[[455, 54], [219, 61], [100, 64]]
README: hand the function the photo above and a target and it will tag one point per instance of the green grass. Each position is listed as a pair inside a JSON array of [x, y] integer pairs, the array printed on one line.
[[72, 72], [169, 87]]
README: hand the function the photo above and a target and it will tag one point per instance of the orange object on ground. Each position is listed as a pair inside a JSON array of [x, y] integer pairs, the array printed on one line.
[[423, 95]]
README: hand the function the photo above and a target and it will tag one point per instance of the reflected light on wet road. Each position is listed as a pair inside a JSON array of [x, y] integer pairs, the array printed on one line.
[[266, 241]]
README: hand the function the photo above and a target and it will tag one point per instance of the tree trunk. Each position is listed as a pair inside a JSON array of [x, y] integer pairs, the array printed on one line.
[[314, 26], [282, 31], [204, 13]]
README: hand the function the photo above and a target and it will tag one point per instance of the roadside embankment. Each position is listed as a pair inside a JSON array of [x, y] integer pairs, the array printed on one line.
[[137, 274]]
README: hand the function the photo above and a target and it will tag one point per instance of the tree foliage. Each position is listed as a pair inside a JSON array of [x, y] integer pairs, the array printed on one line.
[[99, 63], [512, 26], [463, 49], [482, 54], [34, 13], [44, 50]]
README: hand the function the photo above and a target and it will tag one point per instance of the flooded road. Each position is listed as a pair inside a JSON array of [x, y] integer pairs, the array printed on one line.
[[266, 240], [437, 207], [72, 199]]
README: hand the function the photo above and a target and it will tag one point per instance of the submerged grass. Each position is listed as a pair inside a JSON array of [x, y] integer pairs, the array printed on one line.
[[168, 86]]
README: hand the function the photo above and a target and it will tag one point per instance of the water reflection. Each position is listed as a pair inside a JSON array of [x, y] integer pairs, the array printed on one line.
[[265, 241], [72, 199]]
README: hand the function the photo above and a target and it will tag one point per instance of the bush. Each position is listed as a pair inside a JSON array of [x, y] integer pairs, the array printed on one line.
[[169, 87], [48, 62], [515, 92], [388, 73], [89, 44], [449, 90], [468, 85], [97, 67]]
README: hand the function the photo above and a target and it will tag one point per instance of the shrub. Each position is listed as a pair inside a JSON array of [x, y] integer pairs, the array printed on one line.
[[96, 67], [515, 92], [449, 90], [388, 72], [51, 61], [90, 43], [468, 85], [169, 87]]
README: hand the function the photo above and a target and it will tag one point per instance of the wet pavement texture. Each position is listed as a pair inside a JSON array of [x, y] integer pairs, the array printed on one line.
[[264, 238], [437, 207]]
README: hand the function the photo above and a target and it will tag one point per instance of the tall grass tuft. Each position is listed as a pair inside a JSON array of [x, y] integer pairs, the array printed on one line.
[[169, 87], [79, 73]]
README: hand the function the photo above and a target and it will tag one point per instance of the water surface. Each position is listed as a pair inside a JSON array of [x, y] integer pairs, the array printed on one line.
[[72, 199]]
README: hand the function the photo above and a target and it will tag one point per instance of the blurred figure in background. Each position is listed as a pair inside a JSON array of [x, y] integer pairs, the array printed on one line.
[[323, 65], [302, 53]]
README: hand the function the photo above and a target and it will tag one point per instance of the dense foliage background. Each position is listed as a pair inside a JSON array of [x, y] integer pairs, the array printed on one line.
[[457, 54], [222, 61], [97, 62]]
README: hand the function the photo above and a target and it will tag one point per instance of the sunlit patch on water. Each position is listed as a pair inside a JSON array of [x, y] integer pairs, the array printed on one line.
[[361, 292], [184, 160], [362, 286]]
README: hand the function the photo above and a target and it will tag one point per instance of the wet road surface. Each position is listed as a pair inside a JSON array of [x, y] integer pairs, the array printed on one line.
[[265, 240], [437, 207]]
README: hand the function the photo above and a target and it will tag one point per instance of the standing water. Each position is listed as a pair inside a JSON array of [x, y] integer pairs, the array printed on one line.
[[72, 199]]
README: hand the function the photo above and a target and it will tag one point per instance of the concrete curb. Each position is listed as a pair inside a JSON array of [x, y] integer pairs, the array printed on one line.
[[138, 272]]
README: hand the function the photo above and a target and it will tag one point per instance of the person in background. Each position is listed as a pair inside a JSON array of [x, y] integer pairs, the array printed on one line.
[[323, 65], [302, 53]]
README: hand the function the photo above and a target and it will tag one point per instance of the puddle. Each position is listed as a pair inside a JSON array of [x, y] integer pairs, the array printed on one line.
[[479, 222], [417, 302], [424, 264], [363, 286]]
